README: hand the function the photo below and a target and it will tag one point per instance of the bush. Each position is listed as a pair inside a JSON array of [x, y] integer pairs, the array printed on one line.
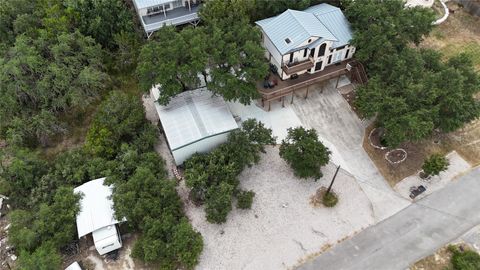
[[212, 177], [304, 152], [219, 202], [435, 164], [45, 257], [245, 199], [330, 199], [464, 260]]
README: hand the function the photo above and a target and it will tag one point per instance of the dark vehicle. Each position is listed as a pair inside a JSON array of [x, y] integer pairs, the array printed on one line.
[[417, 191]]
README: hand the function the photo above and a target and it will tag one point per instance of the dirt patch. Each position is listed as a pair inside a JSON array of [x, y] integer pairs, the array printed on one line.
[[459, 33], [416, 152], [396, 156], [466, 141]]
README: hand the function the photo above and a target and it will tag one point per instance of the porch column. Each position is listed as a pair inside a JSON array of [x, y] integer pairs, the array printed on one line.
[[189, 6], [164, 11]]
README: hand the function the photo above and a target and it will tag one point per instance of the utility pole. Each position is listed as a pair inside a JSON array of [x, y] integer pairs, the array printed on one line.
[[333, 180]]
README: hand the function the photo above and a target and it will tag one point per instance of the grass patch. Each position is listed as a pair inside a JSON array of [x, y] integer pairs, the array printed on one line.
[[330, 199]]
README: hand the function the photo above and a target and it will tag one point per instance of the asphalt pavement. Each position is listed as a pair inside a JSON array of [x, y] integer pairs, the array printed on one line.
[[413, 233]]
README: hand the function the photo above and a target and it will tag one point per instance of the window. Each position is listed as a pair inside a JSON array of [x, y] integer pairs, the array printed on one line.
[[341, 48], [310, 40], [291, 57], [305, 53], [330, 59], [312, 52], [321, 51], [287, 40]]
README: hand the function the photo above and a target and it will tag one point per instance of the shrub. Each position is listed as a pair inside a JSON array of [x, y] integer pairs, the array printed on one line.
[[45, 257], [212, 178], [435, 164], [464, 260], [330, 199], [245, 199], [304, 152]]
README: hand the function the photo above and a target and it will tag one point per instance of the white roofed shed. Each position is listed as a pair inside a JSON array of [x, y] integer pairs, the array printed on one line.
[[96, 215], [194, 121]]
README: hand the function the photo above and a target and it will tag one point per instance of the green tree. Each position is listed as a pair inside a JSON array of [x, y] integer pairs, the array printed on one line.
[[237, 58], [418, 93], [219, 202], [21, 173], [45, 257], [40, 79], [144, 195], [304, 152], [120, 118], [435, 164], [212, 177], [174, 60], [54, 223], [385, 28], [101, 19]]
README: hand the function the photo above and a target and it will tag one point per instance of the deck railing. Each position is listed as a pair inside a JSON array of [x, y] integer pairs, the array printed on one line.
[[173, 21]]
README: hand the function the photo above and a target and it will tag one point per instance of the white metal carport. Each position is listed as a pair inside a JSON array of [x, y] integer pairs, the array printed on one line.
[[194, 121]]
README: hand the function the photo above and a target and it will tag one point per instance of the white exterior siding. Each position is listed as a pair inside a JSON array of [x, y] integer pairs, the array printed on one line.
[[203, 146]]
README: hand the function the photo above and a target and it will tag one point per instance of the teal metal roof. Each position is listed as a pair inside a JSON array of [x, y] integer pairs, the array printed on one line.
[[291, 28], [334, 20]]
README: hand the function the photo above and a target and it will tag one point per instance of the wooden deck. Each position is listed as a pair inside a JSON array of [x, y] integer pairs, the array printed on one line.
[[287, 87]]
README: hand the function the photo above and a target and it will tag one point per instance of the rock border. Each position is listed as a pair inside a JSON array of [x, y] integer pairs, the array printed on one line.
[[372, 144], [396, 162]]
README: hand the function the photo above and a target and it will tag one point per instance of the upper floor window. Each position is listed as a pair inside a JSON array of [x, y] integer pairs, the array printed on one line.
[[321, 51]]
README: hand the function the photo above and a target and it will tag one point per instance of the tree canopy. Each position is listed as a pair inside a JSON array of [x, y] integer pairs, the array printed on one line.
[[227, 51], [212, 177], [304, 152], [411, 91]]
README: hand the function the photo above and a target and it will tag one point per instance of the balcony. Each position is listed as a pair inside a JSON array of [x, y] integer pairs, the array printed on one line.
[[288, 87], [295, 67], [176, 16]]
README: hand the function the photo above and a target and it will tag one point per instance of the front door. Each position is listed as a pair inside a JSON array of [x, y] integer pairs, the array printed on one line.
[[318, 66], [312, 52]]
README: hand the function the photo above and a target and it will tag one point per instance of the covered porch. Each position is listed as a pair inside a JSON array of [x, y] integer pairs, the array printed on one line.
[[282, 89], [176, 16]]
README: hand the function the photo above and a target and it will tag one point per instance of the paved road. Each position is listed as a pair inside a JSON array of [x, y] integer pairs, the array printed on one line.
[[413, 233]]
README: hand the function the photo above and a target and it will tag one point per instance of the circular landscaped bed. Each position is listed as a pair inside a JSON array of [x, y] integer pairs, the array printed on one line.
[[376, 138], [396, 156]]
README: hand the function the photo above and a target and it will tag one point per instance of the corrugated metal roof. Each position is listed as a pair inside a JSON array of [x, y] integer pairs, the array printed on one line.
[[333, 18], [150, 3], [296, 26], [192, 116], [323, 20], [96, 207]]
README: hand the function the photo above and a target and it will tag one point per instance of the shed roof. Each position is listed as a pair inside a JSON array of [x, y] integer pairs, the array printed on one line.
[[150, 3], [96, 207], [192, 116], [324, 21]]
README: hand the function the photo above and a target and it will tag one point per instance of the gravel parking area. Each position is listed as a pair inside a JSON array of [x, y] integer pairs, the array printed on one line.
[[282, 229]]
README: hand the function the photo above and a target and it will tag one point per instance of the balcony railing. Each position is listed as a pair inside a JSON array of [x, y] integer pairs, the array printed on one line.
[[177, 16], [295, 67]]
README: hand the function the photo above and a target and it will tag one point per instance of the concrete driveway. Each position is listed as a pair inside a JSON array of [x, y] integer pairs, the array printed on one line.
[[342, 131], [411, 234]]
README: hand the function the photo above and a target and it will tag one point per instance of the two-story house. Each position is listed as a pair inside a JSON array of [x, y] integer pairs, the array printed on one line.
[[298, 42], [154, 14]]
